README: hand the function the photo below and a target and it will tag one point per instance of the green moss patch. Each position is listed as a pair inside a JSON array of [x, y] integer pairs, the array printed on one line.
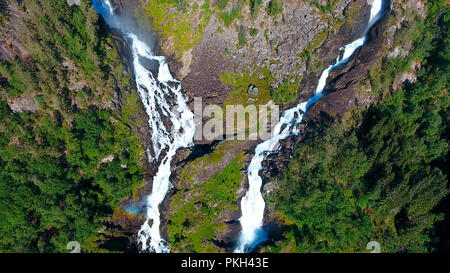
[[194, 223]]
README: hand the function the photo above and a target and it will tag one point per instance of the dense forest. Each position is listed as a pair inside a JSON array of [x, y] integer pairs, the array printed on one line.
[[382, 178], [68, 150]]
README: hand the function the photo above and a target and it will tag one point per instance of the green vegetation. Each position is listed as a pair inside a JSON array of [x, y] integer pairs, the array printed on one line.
[[318, 40], [286, 91], [261, 78], [253, 32], [274, 8], [196, 166], [54, 41], [310, 56], [196, 218], [327, 8], [381, 179], [422, 34], [228, 17], [242, 36], [254, 7], [53, 184], [65, 165], [173, 20], [352, 12], [222, 4]]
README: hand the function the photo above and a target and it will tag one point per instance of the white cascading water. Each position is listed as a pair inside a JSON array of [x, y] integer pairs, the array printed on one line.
[[163, 101], [252, 204]]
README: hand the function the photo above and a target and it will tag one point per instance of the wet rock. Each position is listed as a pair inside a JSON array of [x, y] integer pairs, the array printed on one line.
[[126, 7], [150, 65], [120, 232], [227, 239]]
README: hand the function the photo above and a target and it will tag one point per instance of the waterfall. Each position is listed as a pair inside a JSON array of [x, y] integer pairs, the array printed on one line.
[[252, 204], [164, 103]]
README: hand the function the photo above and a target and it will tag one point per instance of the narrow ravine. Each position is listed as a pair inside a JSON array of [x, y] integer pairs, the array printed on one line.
[[171, 123], [252, 204]]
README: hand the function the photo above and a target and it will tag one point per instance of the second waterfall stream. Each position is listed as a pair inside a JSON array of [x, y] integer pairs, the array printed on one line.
[[171, 122], [252, 204]]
